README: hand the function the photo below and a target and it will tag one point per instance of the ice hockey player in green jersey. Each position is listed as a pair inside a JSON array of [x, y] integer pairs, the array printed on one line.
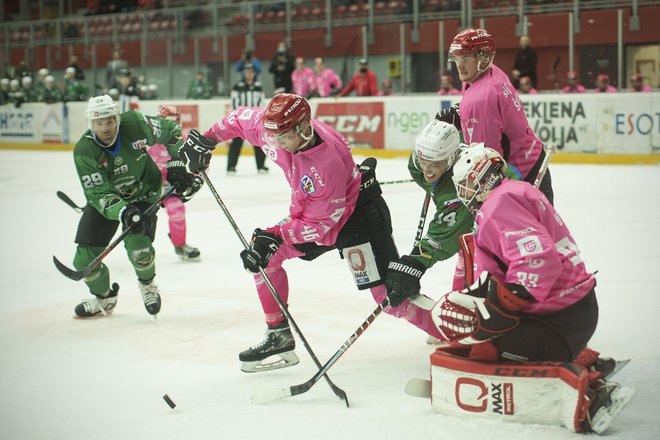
[[436, 150], [120, 181]]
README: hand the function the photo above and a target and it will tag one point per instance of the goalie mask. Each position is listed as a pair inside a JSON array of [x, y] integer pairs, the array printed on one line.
[[437, 147], [476, 173], [287, 121], [103, 120]]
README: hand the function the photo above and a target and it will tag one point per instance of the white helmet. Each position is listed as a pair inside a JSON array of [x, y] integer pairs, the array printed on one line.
[[43, 72], [99, 107], [26, 81], [71, 71], [438, 141], [478, 170]]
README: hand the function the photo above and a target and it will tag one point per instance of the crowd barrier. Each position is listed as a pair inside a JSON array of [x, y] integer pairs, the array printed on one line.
[[592, 128]]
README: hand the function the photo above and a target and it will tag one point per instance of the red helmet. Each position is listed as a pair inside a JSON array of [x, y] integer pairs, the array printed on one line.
[[285, 112], [602, 77], [472, 41], [169, 112]]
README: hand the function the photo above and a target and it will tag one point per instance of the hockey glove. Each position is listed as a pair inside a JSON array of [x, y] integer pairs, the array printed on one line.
[[178, 177], [402, 279], [197, 184], [131, 216], [195, 153], [493, 304], [369, 186], [450, 115], [263, 246]]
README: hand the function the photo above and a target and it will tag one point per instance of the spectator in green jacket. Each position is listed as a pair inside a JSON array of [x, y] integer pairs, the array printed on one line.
[[74, 90], [199, 88]]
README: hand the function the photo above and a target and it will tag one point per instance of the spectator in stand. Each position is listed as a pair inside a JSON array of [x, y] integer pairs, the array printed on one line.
[[282, 66], [526, 87], [51, 93], [603, 84], [447, 86], [364, 82], [249, 58], [74, 89], [115, 66], [4, 91], [525, 62], [637, 81], [73, 62], [27, 89], [386, 88], [303, 79], [328, 82], [41, 79], [572, 85], [23, 70], [199, 88], [15, 94]]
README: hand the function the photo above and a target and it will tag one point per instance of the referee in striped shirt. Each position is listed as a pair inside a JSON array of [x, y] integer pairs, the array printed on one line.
[[249, 93]]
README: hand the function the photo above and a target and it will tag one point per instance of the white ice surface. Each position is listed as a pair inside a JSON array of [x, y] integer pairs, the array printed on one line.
[[63, 378]]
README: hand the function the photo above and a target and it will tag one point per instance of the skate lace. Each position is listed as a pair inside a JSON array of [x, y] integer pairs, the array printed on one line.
[[149, 294], [95, 305]]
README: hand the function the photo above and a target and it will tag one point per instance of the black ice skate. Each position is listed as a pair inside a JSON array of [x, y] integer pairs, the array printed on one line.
[[279, 342], [150, 296], [98, 306], [187, 253], [607, 401], [608, 366]]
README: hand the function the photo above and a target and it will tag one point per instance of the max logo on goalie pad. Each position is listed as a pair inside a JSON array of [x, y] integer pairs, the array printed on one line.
[[362, 263], [500, 396]]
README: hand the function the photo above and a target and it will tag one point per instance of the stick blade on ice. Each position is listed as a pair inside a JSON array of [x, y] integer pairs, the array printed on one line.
[[266, 396]]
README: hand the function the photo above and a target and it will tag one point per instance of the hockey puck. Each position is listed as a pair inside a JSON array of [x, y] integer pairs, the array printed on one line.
[[169, 401]]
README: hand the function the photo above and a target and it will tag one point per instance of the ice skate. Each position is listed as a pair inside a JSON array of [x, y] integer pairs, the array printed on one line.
[[608, 366], [150, 296], [606, 403], [187, 253], [98, 306], [263, 170], [279, 342]]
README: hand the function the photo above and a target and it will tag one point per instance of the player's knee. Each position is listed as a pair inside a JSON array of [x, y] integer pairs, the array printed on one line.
[[143, 258]]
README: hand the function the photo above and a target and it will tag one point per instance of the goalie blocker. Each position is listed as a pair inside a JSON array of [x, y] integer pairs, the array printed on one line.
[[548, 393]]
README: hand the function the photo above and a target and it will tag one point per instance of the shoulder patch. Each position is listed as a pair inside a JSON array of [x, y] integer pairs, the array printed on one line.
[[307, 184]]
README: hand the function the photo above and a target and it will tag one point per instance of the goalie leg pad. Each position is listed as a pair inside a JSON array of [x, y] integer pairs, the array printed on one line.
[[550, 393]]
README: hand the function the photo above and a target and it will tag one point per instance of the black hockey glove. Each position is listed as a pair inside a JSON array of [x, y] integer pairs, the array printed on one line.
[[402, 279], [369, 186], [450, 115], [178, 176], [197, 184], [195, 153], [263, 246], [131, 216]]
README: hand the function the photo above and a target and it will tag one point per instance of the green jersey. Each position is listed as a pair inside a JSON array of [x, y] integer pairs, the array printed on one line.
[[199, 90], [451, 220], [114, 177], [75, 90]]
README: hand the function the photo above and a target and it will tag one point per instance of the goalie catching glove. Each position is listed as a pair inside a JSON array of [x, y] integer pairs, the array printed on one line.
[[483, 311], [263, 246], [196, 152]]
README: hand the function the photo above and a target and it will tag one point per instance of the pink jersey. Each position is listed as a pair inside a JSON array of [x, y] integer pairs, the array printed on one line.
[[160, 156], [303, 81], [324, 180], [644, 88], [577, 89], [518, 229], [451, 91], [492, 113], [608, 89], [327, 81]]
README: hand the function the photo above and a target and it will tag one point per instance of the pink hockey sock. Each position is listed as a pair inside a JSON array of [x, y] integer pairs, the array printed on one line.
[[177, 220]]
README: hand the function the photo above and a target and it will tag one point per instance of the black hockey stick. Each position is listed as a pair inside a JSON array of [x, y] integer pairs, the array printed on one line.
[[78, 275], [282, 393], [338, 391], [390, 182], [66, 199]]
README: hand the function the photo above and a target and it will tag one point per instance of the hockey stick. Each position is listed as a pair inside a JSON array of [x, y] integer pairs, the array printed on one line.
[[338, 391], [78, 275], [554, 73], [390, 182], [549, 151], [66, 199], [282, 393]]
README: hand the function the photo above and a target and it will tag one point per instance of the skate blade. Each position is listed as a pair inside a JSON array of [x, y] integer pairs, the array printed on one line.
[[618, 367], [97, 316], [606, 415], [196, 259], [282, 360]]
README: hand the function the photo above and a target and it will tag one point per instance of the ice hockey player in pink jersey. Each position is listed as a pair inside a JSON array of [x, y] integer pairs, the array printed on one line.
[[334, 205], [490, 110], [603, 84], [533, 299], [637, 82]]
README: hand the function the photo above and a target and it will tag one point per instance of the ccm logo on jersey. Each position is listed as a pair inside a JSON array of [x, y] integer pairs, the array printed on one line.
[[529, 245], [307, 184]]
